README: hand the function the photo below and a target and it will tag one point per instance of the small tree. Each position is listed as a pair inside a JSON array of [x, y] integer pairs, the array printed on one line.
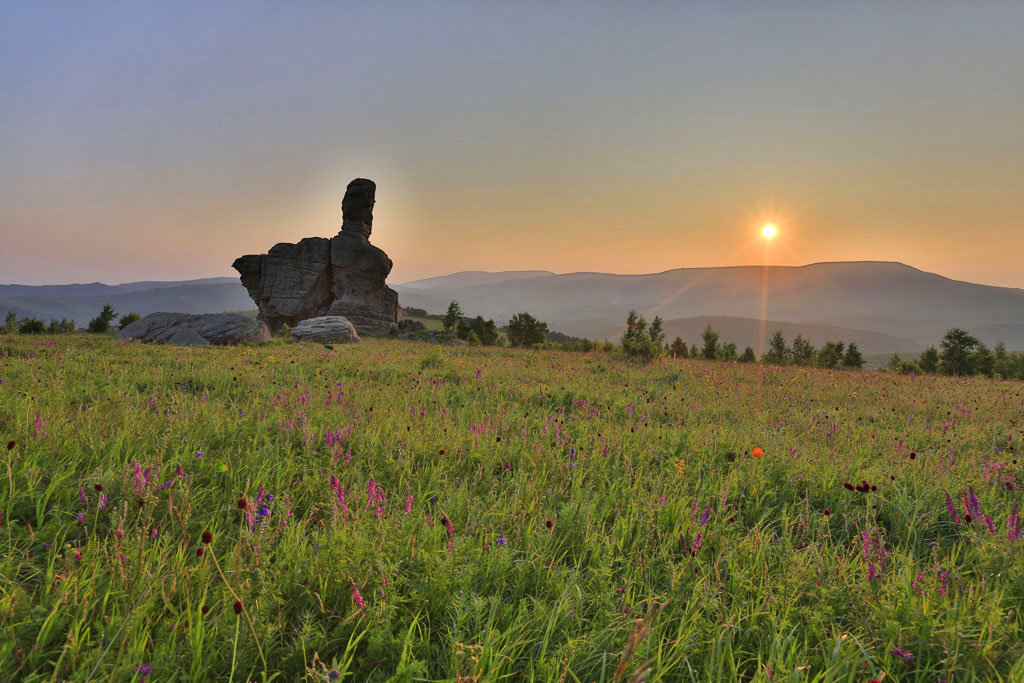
[[955, 358], [803, 351], [748, 356], [710, 349], [31, 326], [983, 361], [101, 323], [640, 342], [728, 352], [127, 319], [10, 323], [929, 360], [778, 351], [525, 330], [452, 316], [852, 359], [678, 348], [831, 354]]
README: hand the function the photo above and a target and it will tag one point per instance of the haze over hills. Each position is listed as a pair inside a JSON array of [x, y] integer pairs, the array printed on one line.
[[908, 307], [883, 306]]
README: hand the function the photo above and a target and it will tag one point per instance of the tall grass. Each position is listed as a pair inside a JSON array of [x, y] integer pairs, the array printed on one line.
[[397, 511]]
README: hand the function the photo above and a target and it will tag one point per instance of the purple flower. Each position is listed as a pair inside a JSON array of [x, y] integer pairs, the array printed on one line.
[[270, 497], [81, 495], [973, 504], [103, 501], [705, 516], [166, 485], [952, 509], [907, 656], [264, 511], [502, 541], [1013, 524]]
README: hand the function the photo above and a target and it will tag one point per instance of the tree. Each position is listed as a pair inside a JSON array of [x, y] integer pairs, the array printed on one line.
[[955, 358], [929, 360], [127, 319], [694, 351], [451, 318], [778, 352], [748, 356], [678, 348], [11, 322], [710, 349], [101, 323], [31, 326], [983, 361], [830, 355], [657, 331], [852, 359], [525, 330], [61, 326], [640, 342], [803, 351], [728, 352]]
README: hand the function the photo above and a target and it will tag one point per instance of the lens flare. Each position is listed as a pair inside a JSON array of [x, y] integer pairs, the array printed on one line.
[[768, 231]]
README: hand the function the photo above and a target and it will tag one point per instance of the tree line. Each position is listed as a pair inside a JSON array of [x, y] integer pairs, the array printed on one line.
[[101, 324]]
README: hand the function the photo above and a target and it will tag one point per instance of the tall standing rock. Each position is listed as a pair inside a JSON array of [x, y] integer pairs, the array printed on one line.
[[341, 276]]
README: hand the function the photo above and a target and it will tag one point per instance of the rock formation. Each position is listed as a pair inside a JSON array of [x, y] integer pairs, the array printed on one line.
[[327, 329], [341, 276], [184, 329]]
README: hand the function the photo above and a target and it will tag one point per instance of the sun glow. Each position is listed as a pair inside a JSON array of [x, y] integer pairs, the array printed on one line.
[[768, 231]]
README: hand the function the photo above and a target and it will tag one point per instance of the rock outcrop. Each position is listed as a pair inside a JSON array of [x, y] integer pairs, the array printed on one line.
[[185, 329], [341, 276], [327, 329]]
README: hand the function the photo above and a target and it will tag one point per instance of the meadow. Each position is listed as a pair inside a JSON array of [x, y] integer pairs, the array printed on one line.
[[393, 510]]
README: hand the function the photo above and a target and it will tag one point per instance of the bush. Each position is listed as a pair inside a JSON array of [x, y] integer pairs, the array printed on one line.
[[31, 326], [525, 330], [127, 319]]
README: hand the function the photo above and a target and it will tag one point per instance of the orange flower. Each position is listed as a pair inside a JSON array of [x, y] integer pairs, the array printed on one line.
[[757, 452]]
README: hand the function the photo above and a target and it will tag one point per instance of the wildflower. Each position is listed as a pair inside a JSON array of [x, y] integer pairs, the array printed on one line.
[[81, 517], [334, 674], [198, 455], [264, 511], [205, 609], [967, 517], [270, 497], [549, 524], [98, 487], [207, 537], [408, 505], [103, 501], [757, 452], [81, 495], [827, 512], [242, 503], [238, 607], [907, 656], [848, 486], [952, 509], [200, 551], [502, 541], [1013, 524], [11, 444], [358, 599]]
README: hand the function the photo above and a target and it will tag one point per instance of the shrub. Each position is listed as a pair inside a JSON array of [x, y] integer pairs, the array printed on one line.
[[127, 319], [101, 323], [31, 326]]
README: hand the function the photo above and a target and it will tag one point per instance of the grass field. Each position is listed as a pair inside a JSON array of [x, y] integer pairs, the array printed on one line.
[[398, 511]]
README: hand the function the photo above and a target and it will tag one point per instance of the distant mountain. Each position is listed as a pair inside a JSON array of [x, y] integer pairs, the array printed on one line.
[[179, 298], [99, 289], [474, 278], [885, 298]]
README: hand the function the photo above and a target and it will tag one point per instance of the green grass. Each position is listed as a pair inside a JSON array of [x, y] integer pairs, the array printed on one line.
[[555, 502]]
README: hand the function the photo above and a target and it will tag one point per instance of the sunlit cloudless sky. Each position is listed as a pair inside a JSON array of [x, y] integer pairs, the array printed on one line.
[[160, 140]]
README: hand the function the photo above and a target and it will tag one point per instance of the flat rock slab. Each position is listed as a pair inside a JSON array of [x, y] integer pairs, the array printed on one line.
[[184, 329], [326, 329]]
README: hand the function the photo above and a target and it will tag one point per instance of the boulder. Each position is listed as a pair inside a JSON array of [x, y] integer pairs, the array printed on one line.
[[410, 326], [325, 329], [185, 329], [342, 276]]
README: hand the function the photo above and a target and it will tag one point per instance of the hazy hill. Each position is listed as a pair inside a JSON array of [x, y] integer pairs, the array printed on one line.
[[881, 297], [202, 298], [474, 278]]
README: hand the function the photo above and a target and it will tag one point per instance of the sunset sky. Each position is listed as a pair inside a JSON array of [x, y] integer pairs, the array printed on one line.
[[160, 140]]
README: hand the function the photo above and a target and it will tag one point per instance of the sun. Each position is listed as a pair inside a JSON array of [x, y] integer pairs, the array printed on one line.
[[768, 231]]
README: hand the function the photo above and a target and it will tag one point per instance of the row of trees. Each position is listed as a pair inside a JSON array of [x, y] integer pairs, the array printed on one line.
[[961, 353], [522, 330], [647, 342], [101, 324]]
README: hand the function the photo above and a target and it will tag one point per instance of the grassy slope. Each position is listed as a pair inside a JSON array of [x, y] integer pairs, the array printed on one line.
[[452, 461]]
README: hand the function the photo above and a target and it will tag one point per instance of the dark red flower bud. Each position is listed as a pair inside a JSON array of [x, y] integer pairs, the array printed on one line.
[[848, 486], [205, 609], [967, 517], [207, 537], [98, 487], [11, 444], [549, 524], [913, 455], [200, 551], [238, 606], [827, 512], [242, 503]]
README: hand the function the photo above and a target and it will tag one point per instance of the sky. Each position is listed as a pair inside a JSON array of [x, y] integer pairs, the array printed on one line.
[[161, 140]]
